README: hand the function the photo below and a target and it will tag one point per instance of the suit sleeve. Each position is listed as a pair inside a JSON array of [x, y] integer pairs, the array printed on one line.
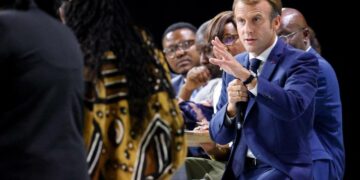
[[328, 97], [223, 94], [218, 131], [292, 100]]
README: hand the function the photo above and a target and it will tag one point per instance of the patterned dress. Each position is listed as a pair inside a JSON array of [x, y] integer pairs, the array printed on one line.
[[121, 147]]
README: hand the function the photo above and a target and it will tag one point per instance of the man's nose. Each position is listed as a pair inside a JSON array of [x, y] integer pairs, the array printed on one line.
[[179, 52]]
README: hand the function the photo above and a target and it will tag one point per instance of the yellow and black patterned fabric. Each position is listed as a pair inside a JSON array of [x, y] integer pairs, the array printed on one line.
[[118, 145]]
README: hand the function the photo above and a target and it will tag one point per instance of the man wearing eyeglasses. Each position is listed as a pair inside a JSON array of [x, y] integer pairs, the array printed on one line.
[[179, 48], [327, 138]]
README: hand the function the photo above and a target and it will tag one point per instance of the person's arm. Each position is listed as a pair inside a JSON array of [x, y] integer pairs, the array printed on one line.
[[291, 98], [215, 151], [218, 152], [196, 77]]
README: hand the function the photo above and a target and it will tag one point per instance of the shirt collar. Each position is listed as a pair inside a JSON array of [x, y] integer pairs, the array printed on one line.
[[265, 54], [308, 49]]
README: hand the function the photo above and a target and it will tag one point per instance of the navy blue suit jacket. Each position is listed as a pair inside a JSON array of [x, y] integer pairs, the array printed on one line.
[[327, 137], [278, 121]]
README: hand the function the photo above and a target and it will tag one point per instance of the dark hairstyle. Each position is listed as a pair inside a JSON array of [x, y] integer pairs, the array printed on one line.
[[46, 5], [217, 24], [179, 25], [202, 30], [105, 25], [276, 6], [15, 4]]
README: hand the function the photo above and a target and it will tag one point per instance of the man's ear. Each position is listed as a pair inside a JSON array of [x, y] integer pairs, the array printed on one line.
[[306, 34], [276, 23]]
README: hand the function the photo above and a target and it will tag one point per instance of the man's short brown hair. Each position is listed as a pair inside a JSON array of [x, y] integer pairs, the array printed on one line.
[[275, 4]]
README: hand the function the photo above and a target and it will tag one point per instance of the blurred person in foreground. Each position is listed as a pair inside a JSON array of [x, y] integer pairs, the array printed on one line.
[[133, 127], [41, 118]]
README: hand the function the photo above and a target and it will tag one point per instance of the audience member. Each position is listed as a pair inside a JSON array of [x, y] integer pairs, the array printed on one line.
[[327, 144], [179, 48]]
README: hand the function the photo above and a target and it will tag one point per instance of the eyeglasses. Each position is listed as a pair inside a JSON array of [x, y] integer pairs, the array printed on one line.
[[184, 45], [229, 39], [287, 37]]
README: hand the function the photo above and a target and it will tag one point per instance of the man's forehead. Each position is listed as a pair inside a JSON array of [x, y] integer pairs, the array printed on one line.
[[178, 36], [180, 32], [242, 10], [288, 19]]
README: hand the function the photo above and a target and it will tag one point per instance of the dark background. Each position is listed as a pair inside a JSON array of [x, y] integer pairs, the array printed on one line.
[[331, 21]]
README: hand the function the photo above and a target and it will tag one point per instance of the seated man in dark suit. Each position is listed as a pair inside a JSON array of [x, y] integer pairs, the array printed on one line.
[[271, 126], [327, 144]]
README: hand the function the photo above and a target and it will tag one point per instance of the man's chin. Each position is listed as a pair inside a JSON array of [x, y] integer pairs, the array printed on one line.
[[184, 70]]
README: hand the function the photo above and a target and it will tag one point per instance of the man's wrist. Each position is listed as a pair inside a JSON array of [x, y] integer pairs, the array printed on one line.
[[252, 85], [189, 87], [251, 77]]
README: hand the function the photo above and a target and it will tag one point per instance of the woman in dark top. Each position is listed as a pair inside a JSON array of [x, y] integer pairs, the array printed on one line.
[[41, 96]]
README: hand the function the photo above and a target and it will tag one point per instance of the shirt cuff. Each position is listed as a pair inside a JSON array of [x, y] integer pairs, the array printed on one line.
[[254, 90], [229, 121]]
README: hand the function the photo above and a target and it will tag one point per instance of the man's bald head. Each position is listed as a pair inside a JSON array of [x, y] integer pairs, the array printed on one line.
[[293, 17], [294, 27]]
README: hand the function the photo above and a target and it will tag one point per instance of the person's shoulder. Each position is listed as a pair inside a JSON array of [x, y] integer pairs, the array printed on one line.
[[8, 16], [9, 21], [294, 53], [323, 63], [177, 79], [242, 57]]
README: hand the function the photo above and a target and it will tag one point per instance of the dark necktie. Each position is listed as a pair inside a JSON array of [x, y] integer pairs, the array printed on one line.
[[237, 159], [254, 65]]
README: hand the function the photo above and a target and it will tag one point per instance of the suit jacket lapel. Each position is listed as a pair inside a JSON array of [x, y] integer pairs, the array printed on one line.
[[268, 69]]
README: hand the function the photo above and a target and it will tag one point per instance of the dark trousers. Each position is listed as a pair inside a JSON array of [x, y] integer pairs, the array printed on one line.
[[258, 170]]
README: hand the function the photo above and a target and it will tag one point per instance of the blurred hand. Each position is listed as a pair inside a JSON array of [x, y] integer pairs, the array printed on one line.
[[224, 59], [196, 77]]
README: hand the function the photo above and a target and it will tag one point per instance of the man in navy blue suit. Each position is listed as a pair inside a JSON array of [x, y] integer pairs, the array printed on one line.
[[267, 112], [327, 144]]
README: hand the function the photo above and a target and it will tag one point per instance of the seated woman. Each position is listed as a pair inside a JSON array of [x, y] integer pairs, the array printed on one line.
[[223, 27]]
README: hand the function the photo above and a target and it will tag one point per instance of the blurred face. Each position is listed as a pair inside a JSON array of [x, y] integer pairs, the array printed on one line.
[[292, 33], [257, 32], [205, 50], [231, 39], [180, 50]]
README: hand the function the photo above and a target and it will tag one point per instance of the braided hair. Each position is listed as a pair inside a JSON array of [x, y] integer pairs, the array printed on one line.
[[105, 25]]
